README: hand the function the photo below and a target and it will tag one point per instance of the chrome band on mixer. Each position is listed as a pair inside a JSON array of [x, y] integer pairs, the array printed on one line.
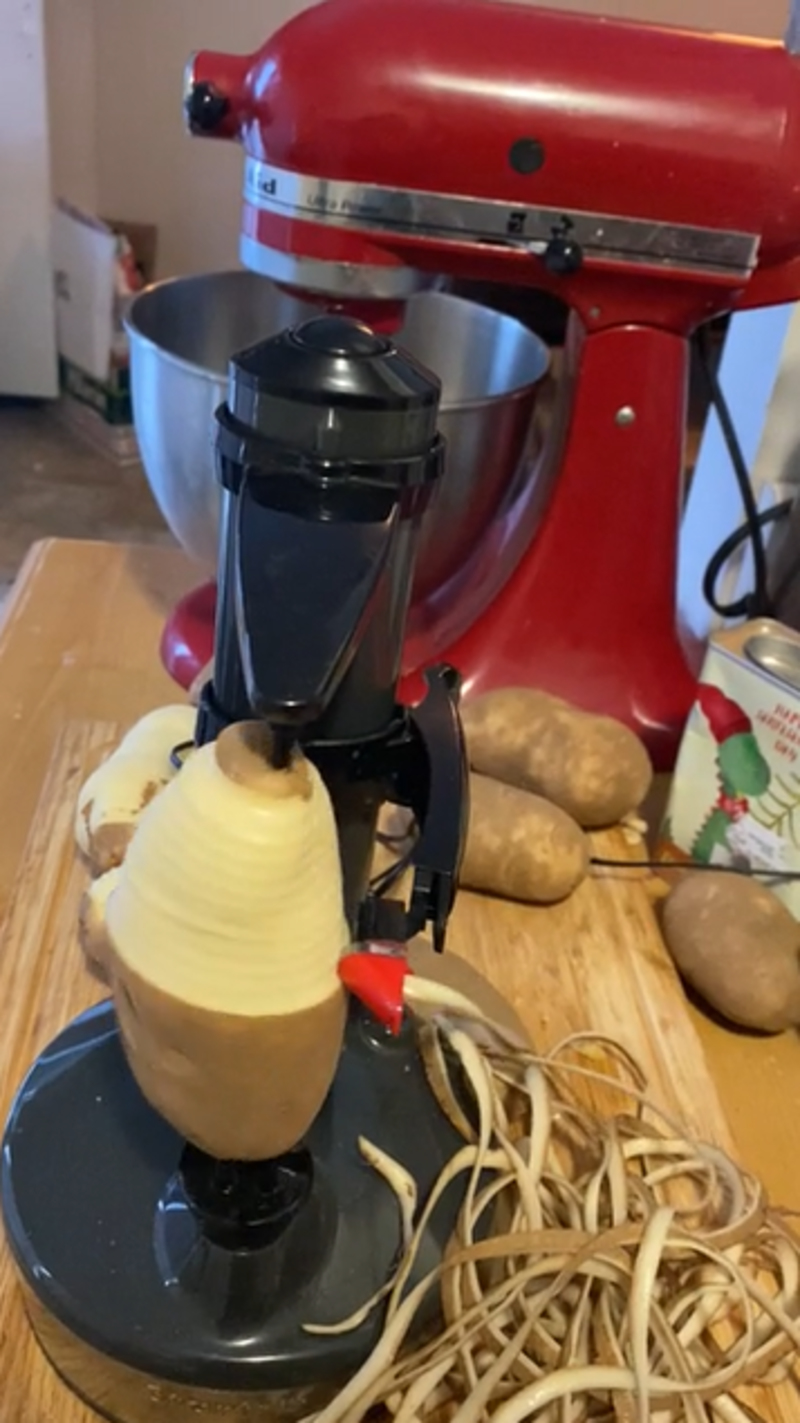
[[353, 280], [370, 207]]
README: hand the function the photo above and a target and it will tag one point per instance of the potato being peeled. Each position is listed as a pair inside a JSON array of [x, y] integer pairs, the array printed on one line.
[[92, 929], [592, 767], [738, 947], [226, 927]]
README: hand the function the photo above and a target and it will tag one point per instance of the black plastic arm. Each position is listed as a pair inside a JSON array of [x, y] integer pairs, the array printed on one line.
[[429, 775]]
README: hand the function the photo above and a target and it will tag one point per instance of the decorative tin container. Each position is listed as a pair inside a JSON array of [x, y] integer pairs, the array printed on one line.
[[735, 796]]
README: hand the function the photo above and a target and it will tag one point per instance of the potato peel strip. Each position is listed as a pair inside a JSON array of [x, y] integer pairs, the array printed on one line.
[[604, 1268]]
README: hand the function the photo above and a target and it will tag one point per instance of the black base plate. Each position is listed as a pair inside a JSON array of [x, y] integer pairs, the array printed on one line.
[[104, 1237]]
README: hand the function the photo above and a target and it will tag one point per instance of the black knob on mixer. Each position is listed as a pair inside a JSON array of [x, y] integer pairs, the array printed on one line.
[[562, 256], [205, 108]]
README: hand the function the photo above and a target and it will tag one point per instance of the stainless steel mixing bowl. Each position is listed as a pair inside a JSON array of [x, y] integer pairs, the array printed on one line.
[[183, 332]]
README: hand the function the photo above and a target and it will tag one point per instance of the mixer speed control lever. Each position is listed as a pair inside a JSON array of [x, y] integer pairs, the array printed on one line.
[[563, 255]]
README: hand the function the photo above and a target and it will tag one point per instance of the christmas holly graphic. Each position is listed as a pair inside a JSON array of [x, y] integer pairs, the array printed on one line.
[[742, 772], [779, 811]]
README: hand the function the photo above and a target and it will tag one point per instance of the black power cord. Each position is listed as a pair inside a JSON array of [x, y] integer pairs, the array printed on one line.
[[388, 878], [179, 753], [664, 865], [746, 606], [757, 603], [386, 881]]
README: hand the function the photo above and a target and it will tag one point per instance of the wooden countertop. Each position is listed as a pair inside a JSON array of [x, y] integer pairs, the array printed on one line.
[[79, 663]]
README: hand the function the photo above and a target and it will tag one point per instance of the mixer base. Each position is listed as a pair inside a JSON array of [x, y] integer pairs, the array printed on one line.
[[145, 1316]]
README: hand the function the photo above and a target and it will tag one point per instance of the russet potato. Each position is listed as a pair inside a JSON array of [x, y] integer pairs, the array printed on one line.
[[592, 767], [737, 946]]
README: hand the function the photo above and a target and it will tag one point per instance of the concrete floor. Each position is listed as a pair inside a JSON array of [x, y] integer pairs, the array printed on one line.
[[55, 485]]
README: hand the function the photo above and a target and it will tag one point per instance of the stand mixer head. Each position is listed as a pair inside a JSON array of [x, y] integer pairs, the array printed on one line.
[[612, 164], [167, 1278]]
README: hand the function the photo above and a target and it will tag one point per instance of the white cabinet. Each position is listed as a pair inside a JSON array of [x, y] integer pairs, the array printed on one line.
[[28, 364]]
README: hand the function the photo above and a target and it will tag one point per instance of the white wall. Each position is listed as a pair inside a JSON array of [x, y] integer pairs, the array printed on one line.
[[119, 144], [149, 168], [71, 53], [27, 317]]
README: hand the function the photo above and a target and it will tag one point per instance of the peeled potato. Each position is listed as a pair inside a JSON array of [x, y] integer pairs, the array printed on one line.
[[738, 946], [592, 767], [92, 928], [114, 796], [226, 927], [521, 847]]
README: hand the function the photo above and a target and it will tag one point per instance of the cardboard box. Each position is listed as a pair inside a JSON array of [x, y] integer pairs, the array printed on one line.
[[99, 266]]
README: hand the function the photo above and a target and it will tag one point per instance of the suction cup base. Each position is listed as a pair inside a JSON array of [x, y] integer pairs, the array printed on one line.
[[145, 1313]]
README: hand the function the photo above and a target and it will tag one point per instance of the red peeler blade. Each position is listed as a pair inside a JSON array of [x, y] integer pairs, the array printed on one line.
[[376, 980]]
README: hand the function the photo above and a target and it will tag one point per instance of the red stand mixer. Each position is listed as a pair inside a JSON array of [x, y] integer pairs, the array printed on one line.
[[648, 177]]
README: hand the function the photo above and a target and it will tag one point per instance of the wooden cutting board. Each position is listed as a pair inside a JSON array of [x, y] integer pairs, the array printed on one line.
[[77, 668]]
